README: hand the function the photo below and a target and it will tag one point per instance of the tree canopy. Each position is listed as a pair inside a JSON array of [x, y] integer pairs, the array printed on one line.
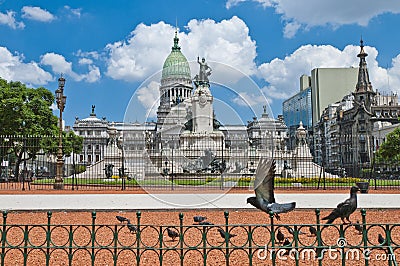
[[26, 111], [390, 148], [28, 125]]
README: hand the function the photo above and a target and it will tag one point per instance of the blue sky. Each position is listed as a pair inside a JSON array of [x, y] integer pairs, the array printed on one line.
[[111, 51]]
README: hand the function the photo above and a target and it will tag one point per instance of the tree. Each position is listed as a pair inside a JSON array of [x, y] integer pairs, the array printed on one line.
[[25, 112], [390, 149]]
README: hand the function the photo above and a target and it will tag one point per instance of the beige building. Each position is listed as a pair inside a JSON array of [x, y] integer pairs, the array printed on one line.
[[330, 85]]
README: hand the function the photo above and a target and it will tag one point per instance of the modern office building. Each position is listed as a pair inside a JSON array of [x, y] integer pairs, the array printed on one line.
[[298, 108]]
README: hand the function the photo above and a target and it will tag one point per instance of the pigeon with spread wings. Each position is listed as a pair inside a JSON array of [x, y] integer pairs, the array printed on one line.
[[264, 189]]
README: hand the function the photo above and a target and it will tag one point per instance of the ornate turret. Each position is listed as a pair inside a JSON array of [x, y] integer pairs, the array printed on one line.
[[363, 84], [363, 95]]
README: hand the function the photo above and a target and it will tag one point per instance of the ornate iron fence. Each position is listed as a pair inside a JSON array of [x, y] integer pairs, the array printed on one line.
[[29, 162], [244, 244]]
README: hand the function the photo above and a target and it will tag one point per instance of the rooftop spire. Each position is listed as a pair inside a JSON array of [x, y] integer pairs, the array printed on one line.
[[176, 41], [363, 83]]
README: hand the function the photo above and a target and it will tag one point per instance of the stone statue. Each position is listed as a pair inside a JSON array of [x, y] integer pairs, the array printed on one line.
[[204, 72], [93, 106], [109, 170]]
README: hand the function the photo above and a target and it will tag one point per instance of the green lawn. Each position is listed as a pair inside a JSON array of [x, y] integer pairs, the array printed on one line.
[[216, 182]]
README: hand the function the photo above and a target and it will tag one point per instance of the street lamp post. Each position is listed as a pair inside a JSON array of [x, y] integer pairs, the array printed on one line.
[[61, 100]]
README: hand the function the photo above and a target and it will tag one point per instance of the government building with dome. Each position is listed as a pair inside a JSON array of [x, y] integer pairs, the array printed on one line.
[[186, 136]]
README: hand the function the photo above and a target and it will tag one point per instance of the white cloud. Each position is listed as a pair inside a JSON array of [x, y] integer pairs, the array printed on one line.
[[142, 54], [59, 64], [9, 20], [283, 75], [85, 61], [93, 75], [335, 13], [147, 47], [249, 99], [36, 13], [148, 96], [74, 11], [12, 67], [227, 42], [92, 54]]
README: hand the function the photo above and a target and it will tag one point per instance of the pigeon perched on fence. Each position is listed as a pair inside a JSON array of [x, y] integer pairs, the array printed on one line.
[[264, 189], [227, 234], [199, 219], [344, 209], [121, 219], [172, 233]]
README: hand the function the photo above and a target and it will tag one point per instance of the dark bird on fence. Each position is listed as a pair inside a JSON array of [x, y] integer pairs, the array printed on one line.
[[199, 219], [264, 189], [344, 209], [381, 240], [280, 236], [227, 234], [121, 219], [131, 227], [172, 233], [313, 231], [206, 223], [358, 227]]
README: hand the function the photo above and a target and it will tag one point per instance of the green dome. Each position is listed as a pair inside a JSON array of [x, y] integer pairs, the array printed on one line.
[[176, 64]]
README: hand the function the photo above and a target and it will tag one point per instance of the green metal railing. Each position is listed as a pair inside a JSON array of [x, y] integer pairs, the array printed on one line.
[[254, 244]]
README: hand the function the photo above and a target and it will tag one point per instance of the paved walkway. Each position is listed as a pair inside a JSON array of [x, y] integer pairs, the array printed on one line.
[[182, 201]]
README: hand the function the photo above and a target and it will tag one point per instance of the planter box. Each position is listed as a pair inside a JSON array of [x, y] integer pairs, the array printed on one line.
[[363, 186]]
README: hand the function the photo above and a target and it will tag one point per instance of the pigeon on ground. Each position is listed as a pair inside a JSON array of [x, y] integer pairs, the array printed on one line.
[[264, 189], [206, 223], [344, 209], [280, 236], [121, 219], [172, 233], [358, 227], [227, 234], [287, 243], [381, 240], [131, 227], [313, 231], [291, 231], [199, 219]]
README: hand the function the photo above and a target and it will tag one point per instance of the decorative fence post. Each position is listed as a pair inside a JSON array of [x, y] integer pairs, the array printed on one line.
[[48, 238], [138, 237], [365, 236], [4, 238], [181, 237], [273, 253], [93, 237], [226, 214], [319, 239]]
